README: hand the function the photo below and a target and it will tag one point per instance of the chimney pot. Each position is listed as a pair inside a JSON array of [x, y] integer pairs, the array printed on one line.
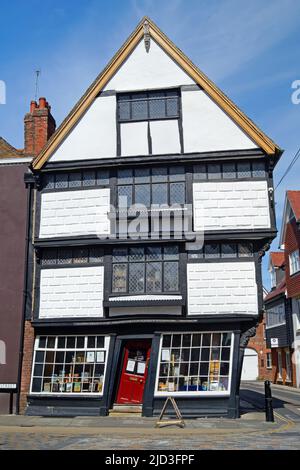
[[38, 127], [33, 105], [42, 103]]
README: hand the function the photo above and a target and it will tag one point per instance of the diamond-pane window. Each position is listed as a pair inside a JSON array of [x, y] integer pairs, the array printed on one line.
[[171, 276], [103, 178], [136, 277], [258, 169], [157, 108], [124, 110], [159, 193], [124, 196], [228, 250], [200, 172], [95, 255], [136, 254], [229, 171], [244, 170], [89, 178], [139, 110], [119, 283], [64, 256], [80, 255], [153, 253], [171, 252], [154, 277], [172, 107], [49, 258], [177, 193], [160, 175], [142, 194], [214, 171], [75, 180], [61, 181], [142, 175], [212, 250], [245, 250], [49, 181], [150, 105]]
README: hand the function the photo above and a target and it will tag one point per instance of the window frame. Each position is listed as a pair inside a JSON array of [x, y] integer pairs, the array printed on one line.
[[294, 262], [269, 364], [127, 292], [270, 311], [134, 98], [85, 349], [199, 393]]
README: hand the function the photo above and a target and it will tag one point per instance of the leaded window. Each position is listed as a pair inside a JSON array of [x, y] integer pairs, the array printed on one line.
[[75, 179], [194, 362], [222, 250], [155, 186], [230, 170], [145, 106], [68, 365], [145, 270], [75, 255]]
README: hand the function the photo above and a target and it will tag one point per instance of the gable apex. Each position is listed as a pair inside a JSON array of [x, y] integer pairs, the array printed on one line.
[[190, 71]]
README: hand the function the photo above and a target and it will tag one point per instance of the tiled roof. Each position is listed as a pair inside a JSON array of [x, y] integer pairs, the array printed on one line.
[[277, 258], [8, 151], [294, 198], [280, 289]]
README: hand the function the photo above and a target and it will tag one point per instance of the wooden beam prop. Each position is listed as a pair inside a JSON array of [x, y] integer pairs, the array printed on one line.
[[178, 422]]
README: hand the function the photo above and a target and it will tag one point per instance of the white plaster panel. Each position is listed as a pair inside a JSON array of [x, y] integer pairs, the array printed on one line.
[[222, 288], [227, 205], [94, 136], [208, 128], [143, 70], [81, 212], [165, 137], [134, 139], [71, 292]]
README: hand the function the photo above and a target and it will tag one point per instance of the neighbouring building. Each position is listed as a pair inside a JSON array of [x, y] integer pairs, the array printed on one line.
[[279, 328], [14, 199], [290, 243], [128, 305]]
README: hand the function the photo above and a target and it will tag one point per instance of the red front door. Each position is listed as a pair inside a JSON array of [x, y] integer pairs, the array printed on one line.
[[134, 372]]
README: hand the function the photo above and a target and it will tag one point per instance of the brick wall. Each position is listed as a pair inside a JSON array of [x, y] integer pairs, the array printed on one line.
[[258, 343], [71, 292], [292, 243], [26, 365], [39, 125], [75, 212], [233, 282], [227, 205]]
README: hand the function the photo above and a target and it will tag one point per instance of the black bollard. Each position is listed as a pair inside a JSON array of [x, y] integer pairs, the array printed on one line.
[[268, 402]]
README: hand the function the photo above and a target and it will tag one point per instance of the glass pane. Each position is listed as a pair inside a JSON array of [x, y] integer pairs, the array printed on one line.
[[171, 276], [206, 339], [119, 281], [245, 250], [38, 370], [48, 181], [171, 252], [95, 255], [89, 178], [120, 254], [124, 196], [214, 171], [159, 194], [80, 342], [36, 385], [177, 173], [103, 178], [124, 110], [176, 341], [125, 176], [136, 277], [229, 250], [229, 170], [177, 193], [258, 169], [153, 253], [212, 250], [80, 255], [139, 110], [74, 180], [166, 341], [200, 172], [71, 342], [48, 257], [157, 108], [142, 175], [142, 194], [244, 170], [196, 341], [159, 175], [91, 342], [136, 254], [186, 340], [61, 181], [153, 277], [61, 342], [51, 342], [226, 340], [225, 355], [100, 342], [64, 256], [172, 107]]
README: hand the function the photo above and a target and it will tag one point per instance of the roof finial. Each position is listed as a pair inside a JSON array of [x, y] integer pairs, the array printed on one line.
[[146, 35]]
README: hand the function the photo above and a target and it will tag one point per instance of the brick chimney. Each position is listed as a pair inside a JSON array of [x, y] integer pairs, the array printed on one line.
[[39, 125]]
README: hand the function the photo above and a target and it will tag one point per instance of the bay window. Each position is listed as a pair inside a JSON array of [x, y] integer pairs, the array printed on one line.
[[145, 270], [198, 363]]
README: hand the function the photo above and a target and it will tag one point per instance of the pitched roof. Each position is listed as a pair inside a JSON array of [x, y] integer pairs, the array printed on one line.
[[277, 258], [279, 290], [248, 126], [294, 199], [8, 151]]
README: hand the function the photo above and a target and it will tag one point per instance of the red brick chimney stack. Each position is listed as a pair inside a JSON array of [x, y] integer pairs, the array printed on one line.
[[39, 125]]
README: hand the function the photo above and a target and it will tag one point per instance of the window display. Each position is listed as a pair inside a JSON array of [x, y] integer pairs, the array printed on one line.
[[194, 362], [69, 364]]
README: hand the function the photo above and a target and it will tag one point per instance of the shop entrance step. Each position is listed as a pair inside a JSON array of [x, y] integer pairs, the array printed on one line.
[[126, 409]]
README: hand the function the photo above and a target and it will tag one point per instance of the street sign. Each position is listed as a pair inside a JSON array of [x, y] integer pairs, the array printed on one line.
[[8, 387]]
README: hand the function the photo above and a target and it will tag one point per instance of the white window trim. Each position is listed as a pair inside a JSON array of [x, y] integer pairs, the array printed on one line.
[[198, 393], [269, 367], [294, 260], [67, 394]]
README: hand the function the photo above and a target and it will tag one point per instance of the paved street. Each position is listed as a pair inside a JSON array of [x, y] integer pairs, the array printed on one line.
[[127, 432]]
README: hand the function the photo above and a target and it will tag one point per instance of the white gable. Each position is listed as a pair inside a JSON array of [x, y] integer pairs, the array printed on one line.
[[146, 70], [206, 127]]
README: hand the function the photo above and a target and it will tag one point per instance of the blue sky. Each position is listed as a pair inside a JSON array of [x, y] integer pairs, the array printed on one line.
[[250, 49]]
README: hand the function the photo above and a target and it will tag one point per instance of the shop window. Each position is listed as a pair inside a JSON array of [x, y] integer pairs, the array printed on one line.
[[194, 363], [69, 365]]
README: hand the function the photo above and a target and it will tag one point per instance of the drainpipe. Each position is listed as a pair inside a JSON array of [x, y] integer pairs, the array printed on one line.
[[28, 179]]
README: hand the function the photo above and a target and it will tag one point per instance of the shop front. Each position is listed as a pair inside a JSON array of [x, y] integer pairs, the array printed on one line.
[[87, 374]]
